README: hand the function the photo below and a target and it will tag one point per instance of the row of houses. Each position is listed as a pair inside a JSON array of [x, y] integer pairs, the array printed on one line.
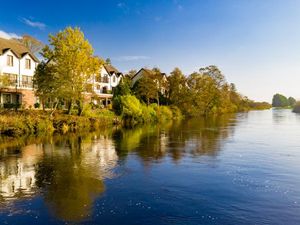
[[18, 64]]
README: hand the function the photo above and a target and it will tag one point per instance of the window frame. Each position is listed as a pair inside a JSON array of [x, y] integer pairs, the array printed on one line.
[[10, 60]]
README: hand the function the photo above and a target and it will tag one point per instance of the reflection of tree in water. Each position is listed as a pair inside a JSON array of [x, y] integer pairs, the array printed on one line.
[[73, 179], [201, 136], [68, 169]]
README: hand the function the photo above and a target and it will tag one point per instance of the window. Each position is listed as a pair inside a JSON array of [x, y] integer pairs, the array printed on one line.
[[114, 79], [27, 64], [27, 81], [104, 90], [98, 87], [105, 79], [10, 60], [6, 98]]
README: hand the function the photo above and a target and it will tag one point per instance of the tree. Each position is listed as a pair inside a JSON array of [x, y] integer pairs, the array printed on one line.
[[146, 88], [130, 73], [292, 101], [34, 45], [46, 85], [124, 88], [4, 82], [279, 100], [108, 61], [177, 90], [72, 58]]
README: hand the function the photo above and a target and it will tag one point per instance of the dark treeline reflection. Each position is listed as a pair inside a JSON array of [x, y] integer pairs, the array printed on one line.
[[175, 139], [69, 171]]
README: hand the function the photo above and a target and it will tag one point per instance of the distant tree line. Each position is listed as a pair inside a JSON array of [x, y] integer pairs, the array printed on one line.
[[201, 93], [280, 100]]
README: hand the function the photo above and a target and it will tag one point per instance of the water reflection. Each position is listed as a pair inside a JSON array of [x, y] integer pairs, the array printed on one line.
[[70, 171], [195, 137]]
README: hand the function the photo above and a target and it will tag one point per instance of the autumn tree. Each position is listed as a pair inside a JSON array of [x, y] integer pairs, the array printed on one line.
[[177, 88], [72, 58], [33, 44], [146, 88], [130, 73], [45, 83]]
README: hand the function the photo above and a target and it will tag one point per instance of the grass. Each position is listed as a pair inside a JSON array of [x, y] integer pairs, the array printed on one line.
[[30, 122]]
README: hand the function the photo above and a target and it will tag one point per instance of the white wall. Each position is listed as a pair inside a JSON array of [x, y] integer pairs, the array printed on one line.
[[23, 70], [4, 68]]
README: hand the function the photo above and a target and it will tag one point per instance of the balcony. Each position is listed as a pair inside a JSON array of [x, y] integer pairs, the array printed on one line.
[[27, 84]]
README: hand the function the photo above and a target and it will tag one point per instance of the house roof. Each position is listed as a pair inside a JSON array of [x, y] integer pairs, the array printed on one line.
[[111, 70], [16, 47], [148, 71]]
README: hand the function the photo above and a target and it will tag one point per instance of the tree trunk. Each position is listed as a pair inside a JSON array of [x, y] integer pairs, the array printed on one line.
[[70, 106], [54, 108], [80, 107]]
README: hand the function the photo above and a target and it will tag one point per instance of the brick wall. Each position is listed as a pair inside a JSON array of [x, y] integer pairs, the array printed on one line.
[[28, 98]]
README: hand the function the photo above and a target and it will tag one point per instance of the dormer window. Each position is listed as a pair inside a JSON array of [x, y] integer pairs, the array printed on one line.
[[114, 79], [10, 60], [28, 64]]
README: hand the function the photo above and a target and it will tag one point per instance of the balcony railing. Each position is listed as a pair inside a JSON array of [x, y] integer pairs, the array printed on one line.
[[27, 84]]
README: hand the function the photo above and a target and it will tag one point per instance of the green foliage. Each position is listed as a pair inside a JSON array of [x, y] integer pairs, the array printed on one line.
[[131, 108], [71, 58], [280, 101], [146, 88], [37, 105], [164, 113], [292, 101], [296, 108]]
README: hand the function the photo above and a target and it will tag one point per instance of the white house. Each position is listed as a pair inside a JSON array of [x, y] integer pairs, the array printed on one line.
[[104, 83], [18, 65]]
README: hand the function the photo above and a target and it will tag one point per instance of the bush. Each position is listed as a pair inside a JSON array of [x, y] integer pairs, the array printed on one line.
[[11, 105], [164, 113], [297, 107], [131, 108], [176, 112], [37, 105]]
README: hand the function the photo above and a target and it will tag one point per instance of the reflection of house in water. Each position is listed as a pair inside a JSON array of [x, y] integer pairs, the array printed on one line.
[[101, 154], [20, 169], [17, 172]]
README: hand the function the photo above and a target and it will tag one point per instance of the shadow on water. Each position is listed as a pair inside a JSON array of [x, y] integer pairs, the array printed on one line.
[[69, 171]]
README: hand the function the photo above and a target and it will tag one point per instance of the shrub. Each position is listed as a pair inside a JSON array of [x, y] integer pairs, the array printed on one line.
[[297, 107], [176, 112], [37, 105], [148, 113], [164, 113], [131, 108]]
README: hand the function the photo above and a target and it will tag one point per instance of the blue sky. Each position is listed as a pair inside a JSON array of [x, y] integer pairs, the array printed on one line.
[[256, 43]]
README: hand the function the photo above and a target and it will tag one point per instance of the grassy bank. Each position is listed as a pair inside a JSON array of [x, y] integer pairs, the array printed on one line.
[[38, 122]]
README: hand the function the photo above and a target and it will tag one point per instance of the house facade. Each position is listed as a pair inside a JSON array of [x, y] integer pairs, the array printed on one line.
[[17, 67], [104, 83]]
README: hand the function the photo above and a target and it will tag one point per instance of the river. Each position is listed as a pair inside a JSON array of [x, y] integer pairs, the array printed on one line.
[[234, 169]]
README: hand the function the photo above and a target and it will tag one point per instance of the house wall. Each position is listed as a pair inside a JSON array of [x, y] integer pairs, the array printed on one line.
[[4, 68], [27, 93], [23, 70]]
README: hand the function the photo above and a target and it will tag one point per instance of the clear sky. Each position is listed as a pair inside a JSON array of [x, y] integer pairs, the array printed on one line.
[[256, 43]]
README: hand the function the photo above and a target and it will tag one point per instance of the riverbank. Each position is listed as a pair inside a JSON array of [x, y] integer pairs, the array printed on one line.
[[32, 122], [38, 122], [296, 108]]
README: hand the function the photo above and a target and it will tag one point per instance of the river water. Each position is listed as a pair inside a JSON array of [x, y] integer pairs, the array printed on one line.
[[234, 169]]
